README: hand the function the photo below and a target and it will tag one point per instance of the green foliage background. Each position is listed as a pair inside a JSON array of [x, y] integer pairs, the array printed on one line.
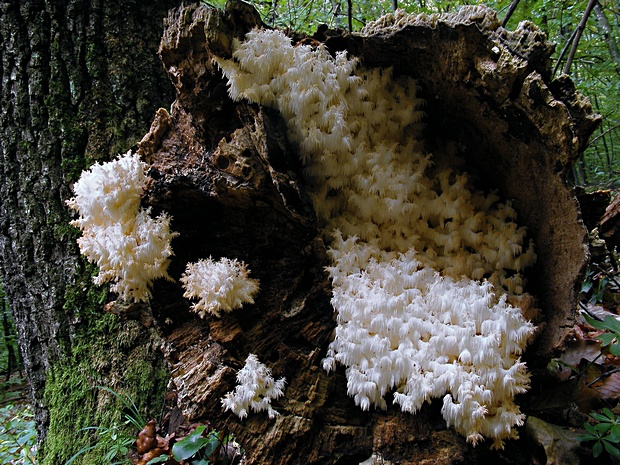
[[595, 69]]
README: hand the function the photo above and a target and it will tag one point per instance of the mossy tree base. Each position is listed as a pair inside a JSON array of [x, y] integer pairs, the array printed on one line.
[[119, 355]]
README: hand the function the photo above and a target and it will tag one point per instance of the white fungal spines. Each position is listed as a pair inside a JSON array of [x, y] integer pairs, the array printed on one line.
[[421, 263], [255, 390], [219, 286], [130, 247]]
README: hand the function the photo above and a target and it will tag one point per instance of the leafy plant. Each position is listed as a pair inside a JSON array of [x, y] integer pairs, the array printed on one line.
[[18, 435], [132, 415], [202, 448], [199, 449], [197, 446], [610, 339], [606, 433], [595, 283], [117, 437]]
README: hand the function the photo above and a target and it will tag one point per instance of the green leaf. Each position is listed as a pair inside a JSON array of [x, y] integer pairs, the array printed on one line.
[[614, 434], [606, 338], [605, 324], [591, 429], [83, 450], [213, 438], [597, 449], [201, 462], [612, 324], [599, 417], [602, 428], [615, 349], [189, 445], [134, 416], [611, 449], [609, 414], [160, 459]]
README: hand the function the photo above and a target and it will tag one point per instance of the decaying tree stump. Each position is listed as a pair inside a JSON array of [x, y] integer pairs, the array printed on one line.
[[230, 179], [610, 224]]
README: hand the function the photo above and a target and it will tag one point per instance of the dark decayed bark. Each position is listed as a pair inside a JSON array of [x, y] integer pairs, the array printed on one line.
[[80, 80], [231, 181]]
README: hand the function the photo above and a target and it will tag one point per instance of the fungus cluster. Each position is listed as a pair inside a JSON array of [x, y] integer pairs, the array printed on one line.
[[130, 248], [426, 270], [255, 390], [222, 285]]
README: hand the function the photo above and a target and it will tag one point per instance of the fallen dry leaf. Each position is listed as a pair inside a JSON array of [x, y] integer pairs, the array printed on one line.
[[560, 444]]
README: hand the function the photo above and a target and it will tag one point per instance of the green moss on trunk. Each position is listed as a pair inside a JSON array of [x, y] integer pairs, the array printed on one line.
[[120, 355]]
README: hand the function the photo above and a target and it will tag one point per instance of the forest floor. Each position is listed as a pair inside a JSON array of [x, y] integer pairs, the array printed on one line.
[[577, 409], [14, 390], [18, 435]]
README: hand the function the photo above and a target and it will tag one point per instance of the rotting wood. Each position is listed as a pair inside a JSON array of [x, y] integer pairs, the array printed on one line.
[[227, 174]]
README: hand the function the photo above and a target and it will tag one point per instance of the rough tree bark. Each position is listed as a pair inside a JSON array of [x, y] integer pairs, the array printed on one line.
[[228, 176], [80, 81]]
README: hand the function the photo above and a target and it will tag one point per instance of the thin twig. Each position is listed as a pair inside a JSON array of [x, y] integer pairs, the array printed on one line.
[[587, 367], [563, 52], [604, 375], [580, 28], [585, 308], [511, 10], [603, 134], [350, 14], [609, 275]]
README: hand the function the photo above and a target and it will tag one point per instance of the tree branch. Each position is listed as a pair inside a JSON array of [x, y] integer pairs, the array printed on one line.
[[563, 52], [603, 134], [605, 29], [580, 28], [511, 10], [350, 14]]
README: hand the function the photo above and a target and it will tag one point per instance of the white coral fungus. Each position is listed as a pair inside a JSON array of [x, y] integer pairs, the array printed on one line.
[[255, 390], [130, 248], [222, 285], [423, 265]]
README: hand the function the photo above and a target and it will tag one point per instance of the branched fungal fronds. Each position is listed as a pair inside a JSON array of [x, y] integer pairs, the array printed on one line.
[[222, 285]]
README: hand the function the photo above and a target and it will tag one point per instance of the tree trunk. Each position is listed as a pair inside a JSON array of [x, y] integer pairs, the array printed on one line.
[[606, 32], [80, 80], [231, 180]]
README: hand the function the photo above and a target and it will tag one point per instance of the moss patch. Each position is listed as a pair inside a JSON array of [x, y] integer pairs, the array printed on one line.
[[105, 351]]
